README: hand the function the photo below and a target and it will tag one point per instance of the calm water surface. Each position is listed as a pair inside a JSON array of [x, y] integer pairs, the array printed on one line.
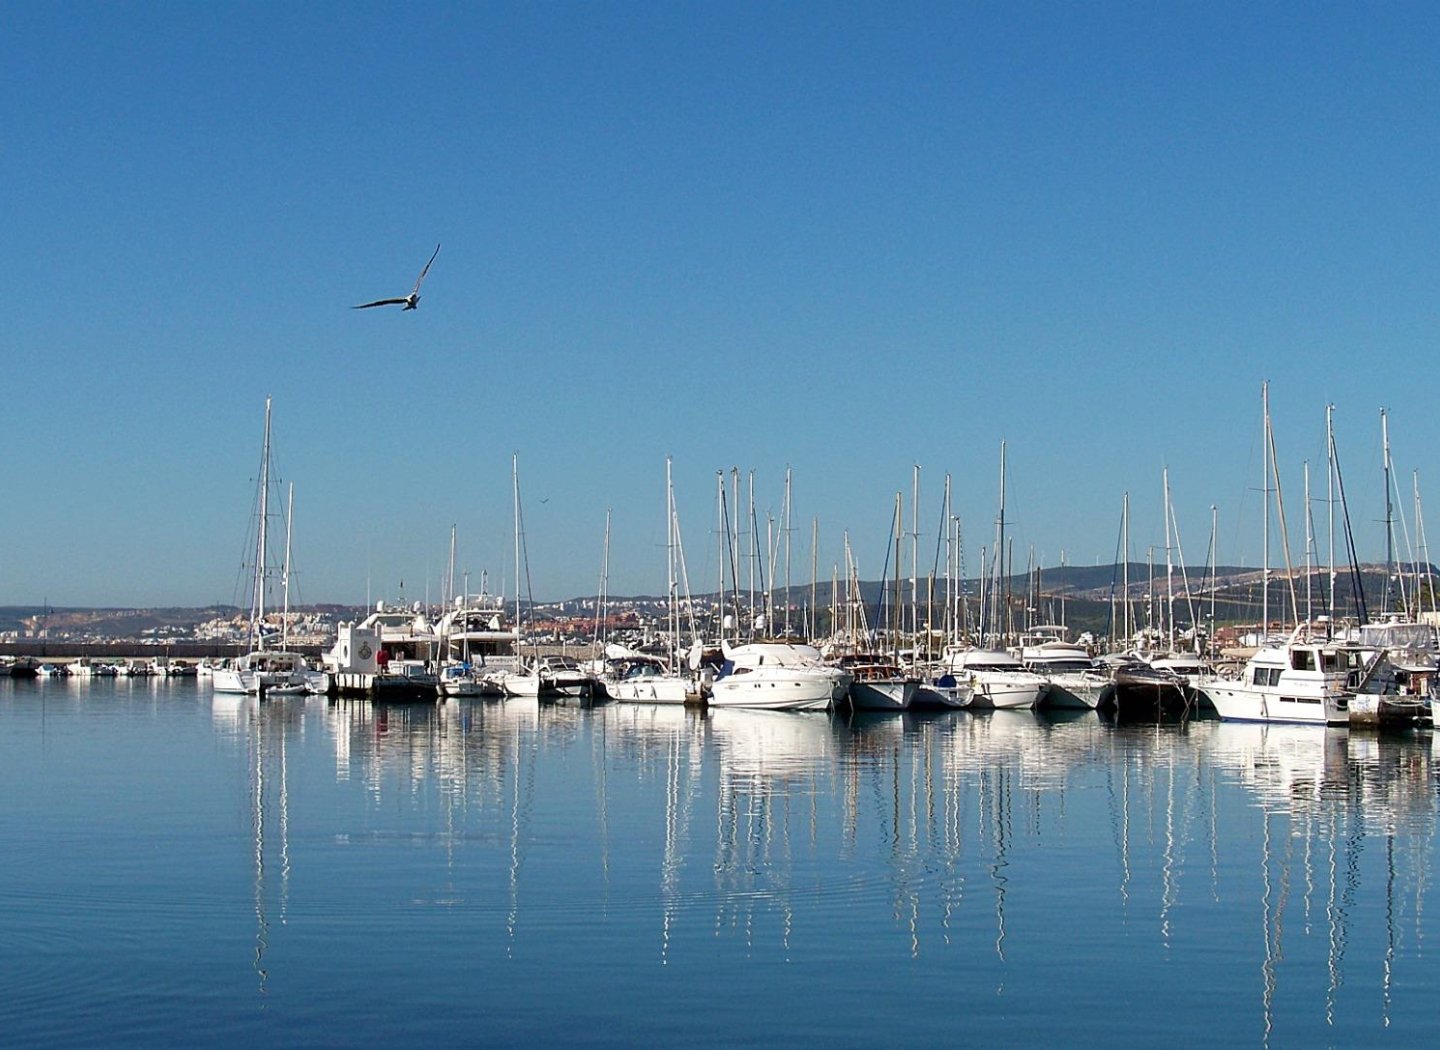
[[181, 868]]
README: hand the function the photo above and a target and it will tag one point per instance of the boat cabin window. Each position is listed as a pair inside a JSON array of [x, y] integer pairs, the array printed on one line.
[[1330, 661], [1266, 676], [1302, 659]]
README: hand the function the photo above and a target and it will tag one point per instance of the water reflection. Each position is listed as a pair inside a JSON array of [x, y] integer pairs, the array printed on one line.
[[266, 730], [947, 837]]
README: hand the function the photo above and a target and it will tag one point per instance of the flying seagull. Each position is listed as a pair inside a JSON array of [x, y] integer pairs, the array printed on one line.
[[410, 301]]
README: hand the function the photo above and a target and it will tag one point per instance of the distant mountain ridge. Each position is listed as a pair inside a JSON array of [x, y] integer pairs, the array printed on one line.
[[1088, 594]]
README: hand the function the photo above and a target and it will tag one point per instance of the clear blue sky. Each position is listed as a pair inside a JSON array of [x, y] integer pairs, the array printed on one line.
[[843, 238]]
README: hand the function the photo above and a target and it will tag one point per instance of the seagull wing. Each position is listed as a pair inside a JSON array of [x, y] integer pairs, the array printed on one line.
[[380, 302], [426, 270]]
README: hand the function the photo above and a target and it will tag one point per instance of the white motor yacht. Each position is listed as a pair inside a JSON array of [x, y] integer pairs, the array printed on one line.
[[1075, 681], [998, 680], [1299, 681], [777, 676]]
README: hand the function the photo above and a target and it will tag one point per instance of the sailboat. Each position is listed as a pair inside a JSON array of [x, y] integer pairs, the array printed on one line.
[[262, 670], [647, 680], [997, 678]]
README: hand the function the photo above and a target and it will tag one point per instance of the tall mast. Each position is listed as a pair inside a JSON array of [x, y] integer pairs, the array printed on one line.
[[258, 603], [949, 624], [897, 615], [515, 490], [1330, 506], [1389, 513], [914, 550], [814, 632], [285, 573], [722, 545], [787, 551], [1265, 526], [768, 583], [1004, 589], [1214, 584], [754, 544], [602, 600], [449, 595], [1419, 539], [1309, 546], [1128, 625], [1063, 589], [1423, 553], [670, 529], [1169, 568]]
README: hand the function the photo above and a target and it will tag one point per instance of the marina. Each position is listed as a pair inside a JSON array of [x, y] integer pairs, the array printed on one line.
[[719, 526], [228, 864]]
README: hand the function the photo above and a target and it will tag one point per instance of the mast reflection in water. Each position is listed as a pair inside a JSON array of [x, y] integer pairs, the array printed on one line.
[[511, 871]]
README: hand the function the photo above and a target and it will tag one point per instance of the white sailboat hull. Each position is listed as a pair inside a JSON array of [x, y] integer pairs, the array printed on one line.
[[656, 689]]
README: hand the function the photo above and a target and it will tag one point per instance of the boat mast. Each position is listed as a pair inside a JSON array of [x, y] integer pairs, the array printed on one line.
[[982, 598], [285, 573], [1128, 625], [670, 529], [814, 627], [1423, 554], [1265, 518], [602, 600], [897, 613], [1284, 528], [1064, 587], [1003, 590], [949, 618], [257, 604], [1330, 508], [1389, 514], [914, 552], [1169, 567], [1150, 628], [1419, 544], [515, 490], [1309, 545], [1214, 583], [447, 597], [787, 551], [722, 545], [754, 545], [768, 570]]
